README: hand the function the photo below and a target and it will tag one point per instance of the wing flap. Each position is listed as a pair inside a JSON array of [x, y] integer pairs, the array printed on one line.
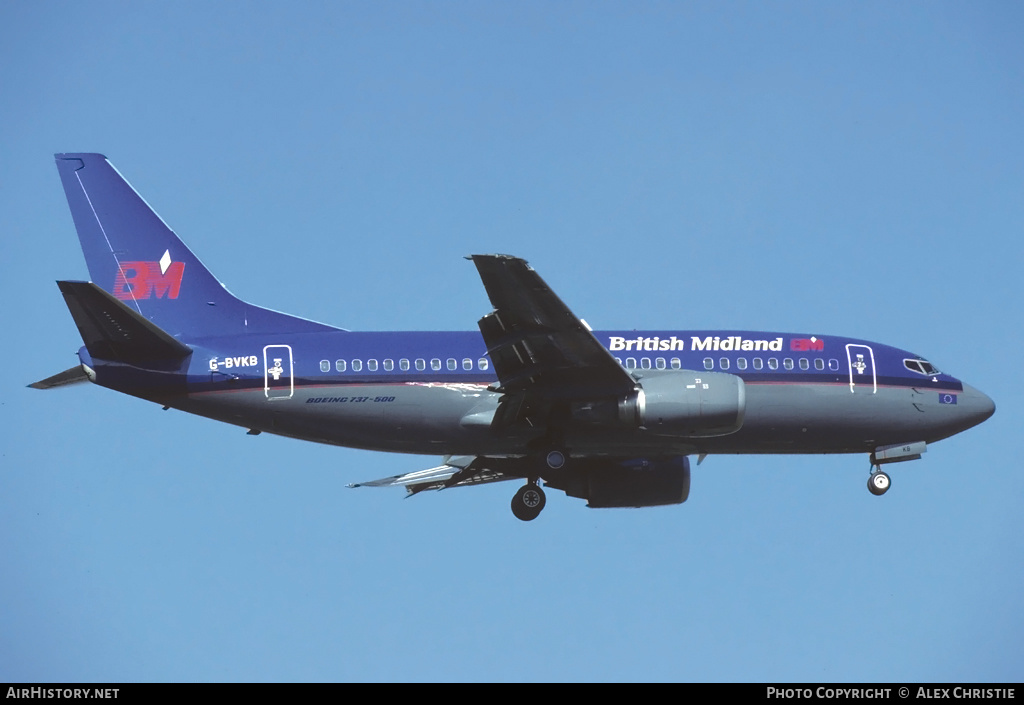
[[455, 472]]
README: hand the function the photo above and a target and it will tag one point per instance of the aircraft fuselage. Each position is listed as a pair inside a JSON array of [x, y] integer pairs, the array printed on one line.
[[802, 393]]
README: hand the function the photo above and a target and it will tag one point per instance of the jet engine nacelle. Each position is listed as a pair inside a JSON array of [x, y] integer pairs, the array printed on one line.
[[686, 403], [640, 482]]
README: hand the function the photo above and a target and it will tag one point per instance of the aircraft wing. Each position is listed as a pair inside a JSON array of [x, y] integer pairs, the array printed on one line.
[[542, 352], [455, 472]]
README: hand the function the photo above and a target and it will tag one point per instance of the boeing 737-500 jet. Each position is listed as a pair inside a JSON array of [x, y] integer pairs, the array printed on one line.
[[536, 395]]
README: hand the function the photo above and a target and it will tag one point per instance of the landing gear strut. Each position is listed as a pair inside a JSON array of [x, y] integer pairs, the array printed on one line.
[[878, 481], [528, 502]]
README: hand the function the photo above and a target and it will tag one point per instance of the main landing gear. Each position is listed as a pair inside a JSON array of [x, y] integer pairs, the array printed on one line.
[[878, 481], [529, 501]]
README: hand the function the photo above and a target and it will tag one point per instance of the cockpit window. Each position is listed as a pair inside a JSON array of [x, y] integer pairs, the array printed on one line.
[[920, 366]]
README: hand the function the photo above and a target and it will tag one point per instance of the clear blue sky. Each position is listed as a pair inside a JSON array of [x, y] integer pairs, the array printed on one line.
[[847, 168]]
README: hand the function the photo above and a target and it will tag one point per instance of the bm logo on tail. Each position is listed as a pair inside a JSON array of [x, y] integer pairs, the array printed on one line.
[[146, 280]]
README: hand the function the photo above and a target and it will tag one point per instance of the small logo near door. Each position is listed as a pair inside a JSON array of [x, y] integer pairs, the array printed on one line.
[[277, 380], [859, 364]]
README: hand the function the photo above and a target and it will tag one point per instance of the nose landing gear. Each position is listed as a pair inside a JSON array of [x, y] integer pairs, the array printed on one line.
[[878, 481]]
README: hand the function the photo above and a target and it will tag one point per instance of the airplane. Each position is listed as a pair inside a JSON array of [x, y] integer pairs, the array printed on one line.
[[611, 417]]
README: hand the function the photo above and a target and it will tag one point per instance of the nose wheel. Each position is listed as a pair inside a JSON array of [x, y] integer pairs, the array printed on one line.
[[528, 502], [878, 482]]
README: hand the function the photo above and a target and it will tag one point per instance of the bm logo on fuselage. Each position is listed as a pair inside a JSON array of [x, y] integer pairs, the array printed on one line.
[[807, 344], [136, 281]]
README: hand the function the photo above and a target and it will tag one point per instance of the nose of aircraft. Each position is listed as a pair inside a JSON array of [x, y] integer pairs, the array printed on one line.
[[975, 405]]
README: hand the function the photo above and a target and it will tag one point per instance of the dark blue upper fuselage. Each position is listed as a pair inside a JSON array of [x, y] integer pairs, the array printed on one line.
[[343, 357]]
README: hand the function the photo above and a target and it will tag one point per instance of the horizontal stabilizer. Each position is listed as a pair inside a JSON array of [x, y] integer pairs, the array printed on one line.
[[70, 376], [112, 331]]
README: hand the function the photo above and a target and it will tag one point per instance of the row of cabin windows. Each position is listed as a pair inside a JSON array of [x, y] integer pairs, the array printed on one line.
[[724, 363], [404, 365], [660, 363]]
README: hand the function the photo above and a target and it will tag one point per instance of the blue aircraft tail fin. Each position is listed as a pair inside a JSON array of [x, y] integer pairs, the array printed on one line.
[[134, 256]]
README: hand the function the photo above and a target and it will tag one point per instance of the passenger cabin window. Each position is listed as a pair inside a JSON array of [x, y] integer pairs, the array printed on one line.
[[709, 364], [371, 365], [645, 362], [403, 365], [833, 364], [467, 364], [453, 363], [630, 363], [357, 365], [758, 363], [723, 363], [421, 364], [819, 364], [773, 363], [389, 365], [804, 364], [741, 363], [676, 363], [788, 363], [482, 363], [339, 365], [325, 365], [435, 364], [660, 363]]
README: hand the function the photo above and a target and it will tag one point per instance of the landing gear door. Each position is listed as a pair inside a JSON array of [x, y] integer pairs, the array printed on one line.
[[277, 372], [861, 359]]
